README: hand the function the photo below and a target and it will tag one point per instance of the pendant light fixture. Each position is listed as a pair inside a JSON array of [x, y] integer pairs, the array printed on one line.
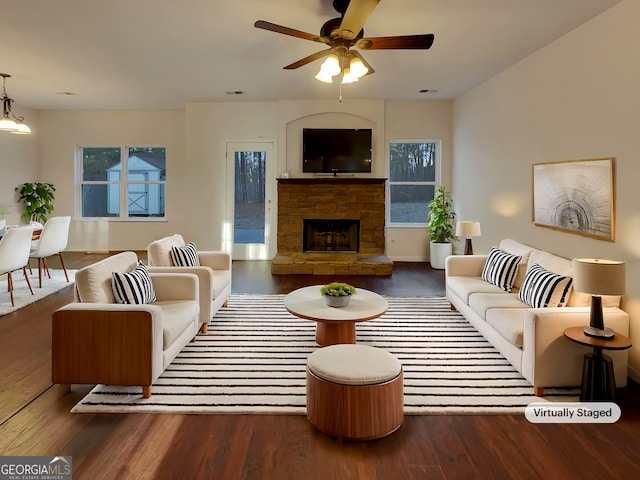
[[11, 122]]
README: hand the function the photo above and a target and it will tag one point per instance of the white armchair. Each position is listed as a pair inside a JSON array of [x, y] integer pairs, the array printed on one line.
[[96, 340], [214, 273]]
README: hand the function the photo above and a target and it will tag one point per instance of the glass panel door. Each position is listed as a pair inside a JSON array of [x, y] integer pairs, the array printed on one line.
[[252, 187]]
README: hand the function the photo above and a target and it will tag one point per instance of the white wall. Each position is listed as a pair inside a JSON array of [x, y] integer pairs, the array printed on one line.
[[209, 127], [429, 120], [18, 164], [62, 131], [575, 99]]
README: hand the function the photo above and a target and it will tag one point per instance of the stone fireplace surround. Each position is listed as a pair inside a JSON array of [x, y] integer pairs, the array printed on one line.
[[351, 198]]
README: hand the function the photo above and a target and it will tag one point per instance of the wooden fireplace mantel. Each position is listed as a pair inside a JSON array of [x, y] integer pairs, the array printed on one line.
[[331, 179]]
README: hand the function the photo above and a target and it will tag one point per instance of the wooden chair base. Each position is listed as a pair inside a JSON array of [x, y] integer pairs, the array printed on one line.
[[355, 412]]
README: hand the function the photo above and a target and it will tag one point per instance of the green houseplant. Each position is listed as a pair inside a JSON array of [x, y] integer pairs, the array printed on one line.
[[441, 221], [37, 199], [337, 294]]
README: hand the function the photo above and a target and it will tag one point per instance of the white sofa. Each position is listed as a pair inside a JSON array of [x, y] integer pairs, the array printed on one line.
[[214, 273], [531, 338], [96, 340]]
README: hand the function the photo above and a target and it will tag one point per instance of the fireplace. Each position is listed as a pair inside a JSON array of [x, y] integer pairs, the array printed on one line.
[[331, 226], [331, 235]]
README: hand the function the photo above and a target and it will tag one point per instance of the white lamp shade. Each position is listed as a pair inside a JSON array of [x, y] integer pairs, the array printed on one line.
[[358, 68], [8, 124], [324, 77], [599, 277], [348, 76], [22, 129], [332, 65], [468, 228]]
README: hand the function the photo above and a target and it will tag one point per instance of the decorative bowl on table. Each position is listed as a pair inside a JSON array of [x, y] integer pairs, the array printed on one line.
[[337, 294]]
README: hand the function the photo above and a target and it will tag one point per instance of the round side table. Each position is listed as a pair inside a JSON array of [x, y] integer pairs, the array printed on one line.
[[598, 382]]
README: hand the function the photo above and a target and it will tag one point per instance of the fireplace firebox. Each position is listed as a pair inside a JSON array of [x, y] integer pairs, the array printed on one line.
[[331, 235]]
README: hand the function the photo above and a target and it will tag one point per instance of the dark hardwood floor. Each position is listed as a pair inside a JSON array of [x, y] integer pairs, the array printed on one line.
[[35, 420]]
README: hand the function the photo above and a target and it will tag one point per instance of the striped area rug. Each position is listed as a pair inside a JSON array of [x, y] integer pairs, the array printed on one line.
[[253, 359]]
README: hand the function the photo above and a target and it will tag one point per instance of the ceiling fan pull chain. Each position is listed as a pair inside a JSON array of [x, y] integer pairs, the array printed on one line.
[[340, 97]]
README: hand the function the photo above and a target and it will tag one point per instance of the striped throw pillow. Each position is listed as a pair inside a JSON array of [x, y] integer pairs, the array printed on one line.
[[186, 256], [542, 288], [134, 287], [501, 268]]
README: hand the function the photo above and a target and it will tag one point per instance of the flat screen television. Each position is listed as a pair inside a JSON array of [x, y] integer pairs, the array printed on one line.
[[336, 150]]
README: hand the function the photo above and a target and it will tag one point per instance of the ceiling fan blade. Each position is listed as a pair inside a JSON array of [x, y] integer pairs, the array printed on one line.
[[355, 17], [272, 27], [309, 59], [408, 42]]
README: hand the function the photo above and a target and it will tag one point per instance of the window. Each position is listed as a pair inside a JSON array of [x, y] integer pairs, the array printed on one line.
[[413, 171], [122, 182]]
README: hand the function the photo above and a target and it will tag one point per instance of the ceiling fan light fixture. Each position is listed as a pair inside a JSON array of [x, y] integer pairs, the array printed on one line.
[[348, 76], [358, 68], [332, 65], [324, 77], [343, 33]]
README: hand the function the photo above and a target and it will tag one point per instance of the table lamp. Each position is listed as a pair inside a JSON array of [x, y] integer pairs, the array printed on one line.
[[598, 277], [468, 229]]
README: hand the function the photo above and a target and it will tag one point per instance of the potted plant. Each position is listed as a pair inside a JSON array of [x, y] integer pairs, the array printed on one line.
[[440, 219], [37, 199], [337, 294]]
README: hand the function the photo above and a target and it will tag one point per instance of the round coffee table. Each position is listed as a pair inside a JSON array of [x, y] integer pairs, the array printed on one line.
[[334, 325]]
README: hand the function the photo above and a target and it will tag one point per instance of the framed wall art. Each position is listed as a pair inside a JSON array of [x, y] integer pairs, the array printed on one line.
[[576, 196]]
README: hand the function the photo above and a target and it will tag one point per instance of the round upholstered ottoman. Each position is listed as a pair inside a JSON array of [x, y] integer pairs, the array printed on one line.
[[354, 392]]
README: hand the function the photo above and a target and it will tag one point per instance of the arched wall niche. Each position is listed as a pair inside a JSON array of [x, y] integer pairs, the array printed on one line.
[[355, 114]]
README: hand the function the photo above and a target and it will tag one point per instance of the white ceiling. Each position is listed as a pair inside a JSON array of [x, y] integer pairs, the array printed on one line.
[[149, 54]]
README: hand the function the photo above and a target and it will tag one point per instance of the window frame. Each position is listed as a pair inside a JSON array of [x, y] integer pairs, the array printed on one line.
[[124, 215], [436, 182]]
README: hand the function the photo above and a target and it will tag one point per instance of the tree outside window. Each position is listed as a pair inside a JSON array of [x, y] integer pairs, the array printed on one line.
[[413, 168]]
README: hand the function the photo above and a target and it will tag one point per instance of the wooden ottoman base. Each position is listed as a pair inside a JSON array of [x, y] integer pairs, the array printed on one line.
[[355, 412]]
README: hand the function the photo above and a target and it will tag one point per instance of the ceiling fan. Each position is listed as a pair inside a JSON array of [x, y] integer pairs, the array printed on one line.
[[343, 33]]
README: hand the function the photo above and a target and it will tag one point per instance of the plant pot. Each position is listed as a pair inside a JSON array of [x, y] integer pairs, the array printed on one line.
[[337, 302], [438, 253]]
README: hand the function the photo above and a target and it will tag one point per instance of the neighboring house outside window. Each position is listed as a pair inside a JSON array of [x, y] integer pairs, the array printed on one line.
[[122, 182], [414, 167]]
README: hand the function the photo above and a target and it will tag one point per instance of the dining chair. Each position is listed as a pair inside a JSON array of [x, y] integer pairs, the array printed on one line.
[[14, 254], [53, 240]]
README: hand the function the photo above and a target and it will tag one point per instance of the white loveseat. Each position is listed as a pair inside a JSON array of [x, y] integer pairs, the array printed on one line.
[[96, 340], [214, 273], [531, 338]]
